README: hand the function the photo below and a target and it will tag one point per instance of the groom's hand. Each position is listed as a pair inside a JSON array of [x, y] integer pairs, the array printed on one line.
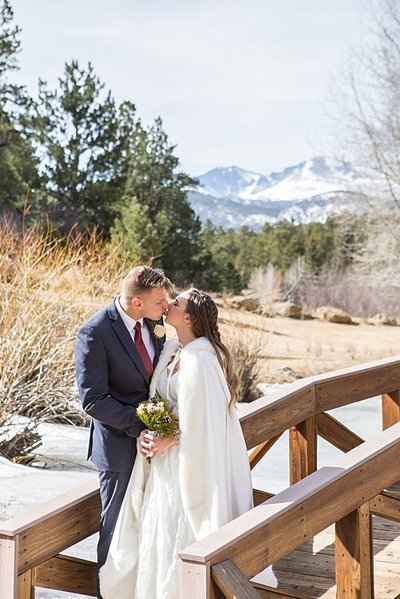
[[151, 446]]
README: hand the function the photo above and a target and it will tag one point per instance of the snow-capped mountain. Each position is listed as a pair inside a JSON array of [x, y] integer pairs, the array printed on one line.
[[309, 191]]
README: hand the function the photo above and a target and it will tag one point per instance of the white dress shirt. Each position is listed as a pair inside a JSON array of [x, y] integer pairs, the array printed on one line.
[[130, 325]]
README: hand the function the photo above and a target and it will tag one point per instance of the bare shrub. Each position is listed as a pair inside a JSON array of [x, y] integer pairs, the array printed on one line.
[[267, 282], [377, 259], [246, 354], [272, 286], [48, 288], [348, 291]]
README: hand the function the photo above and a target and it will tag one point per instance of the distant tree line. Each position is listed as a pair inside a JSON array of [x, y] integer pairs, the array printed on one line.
[[73, 159]]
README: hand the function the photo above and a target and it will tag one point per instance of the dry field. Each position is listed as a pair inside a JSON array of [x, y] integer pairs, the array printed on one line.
[[292, 348]]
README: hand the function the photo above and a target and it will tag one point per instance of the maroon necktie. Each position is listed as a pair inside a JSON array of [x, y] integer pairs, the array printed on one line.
[[140, 346]]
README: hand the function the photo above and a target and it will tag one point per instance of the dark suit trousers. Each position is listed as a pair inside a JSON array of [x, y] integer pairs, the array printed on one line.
[[112, 490]]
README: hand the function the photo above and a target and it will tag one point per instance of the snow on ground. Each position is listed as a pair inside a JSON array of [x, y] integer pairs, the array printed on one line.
[[61, 466]]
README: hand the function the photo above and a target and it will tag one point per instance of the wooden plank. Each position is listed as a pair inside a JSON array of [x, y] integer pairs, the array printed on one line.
[[395, 489], [390, 409], [231, 581], [267, 592], [341, 388], [275, 528], [261, 496], [310, 569], [308, 564], [8, 567], [302, 450], [386, 506], [59, 531], [354, 562], [26, 589], [270, 416], [336, 433], [259, 452], [311, 586], [67, 573]]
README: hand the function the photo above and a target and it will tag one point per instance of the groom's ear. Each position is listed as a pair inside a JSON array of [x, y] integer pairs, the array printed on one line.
[[137, 303]]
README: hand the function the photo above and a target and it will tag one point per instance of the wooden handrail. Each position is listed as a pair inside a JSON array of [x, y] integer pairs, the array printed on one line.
[[275, 528], [48, 509], [298, 401]]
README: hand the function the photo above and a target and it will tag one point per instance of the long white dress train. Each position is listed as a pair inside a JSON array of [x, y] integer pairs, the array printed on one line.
[[188, 491]]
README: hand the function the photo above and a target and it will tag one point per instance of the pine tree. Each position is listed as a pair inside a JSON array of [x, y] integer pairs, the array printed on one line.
[[18, 167], [75, 129], [157, 185]]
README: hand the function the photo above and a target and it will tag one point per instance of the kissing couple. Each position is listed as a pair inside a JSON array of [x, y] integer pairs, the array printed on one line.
[[159, 493]]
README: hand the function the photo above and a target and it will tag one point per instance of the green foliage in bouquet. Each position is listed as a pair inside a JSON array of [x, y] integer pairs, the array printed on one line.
[[157, 416]]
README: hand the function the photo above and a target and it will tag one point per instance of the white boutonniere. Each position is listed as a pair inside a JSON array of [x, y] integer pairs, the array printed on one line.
[[159, 331]]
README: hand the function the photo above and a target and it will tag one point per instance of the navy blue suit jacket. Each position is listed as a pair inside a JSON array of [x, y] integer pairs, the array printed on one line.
[[112, 381]]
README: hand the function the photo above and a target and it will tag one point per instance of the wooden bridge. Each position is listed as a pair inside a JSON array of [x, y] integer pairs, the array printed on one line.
[[334, 532]]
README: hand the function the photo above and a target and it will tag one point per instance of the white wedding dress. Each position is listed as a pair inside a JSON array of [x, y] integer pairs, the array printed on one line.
[[188, 491]]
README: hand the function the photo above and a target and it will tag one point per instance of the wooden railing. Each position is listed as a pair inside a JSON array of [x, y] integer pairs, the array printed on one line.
[[30, 545], [344, 493]]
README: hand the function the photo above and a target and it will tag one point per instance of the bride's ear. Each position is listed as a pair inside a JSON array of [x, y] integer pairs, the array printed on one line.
[[188, 320]]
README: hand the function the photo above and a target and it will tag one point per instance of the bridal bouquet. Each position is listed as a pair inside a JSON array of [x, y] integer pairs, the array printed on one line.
[[157, 416]]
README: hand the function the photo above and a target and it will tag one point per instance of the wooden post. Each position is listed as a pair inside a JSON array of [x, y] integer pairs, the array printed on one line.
[[196, 581], [8, 567], [302, 450], [354, 555], [390, 409], [26, 589]]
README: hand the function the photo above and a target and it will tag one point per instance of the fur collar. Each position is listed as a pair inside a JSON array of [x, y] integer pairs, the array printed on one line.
[[171, 347]]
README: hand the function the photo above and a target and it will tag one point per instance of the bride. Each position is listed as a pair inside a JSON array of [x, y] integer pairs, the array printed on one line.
[[194, 484]]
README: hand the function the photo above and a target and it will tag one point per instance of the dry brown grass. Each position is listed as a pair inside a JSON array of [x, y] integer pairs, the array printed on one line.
[[297, 348], [48, 287]]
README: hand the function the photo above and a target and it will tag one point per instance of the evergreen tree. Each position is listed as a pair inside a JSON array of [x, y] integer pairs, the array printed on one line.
[[133, 237], [18, 167], [75, 129], [154, 180], [318, 245], [220, 273], [247, 259]]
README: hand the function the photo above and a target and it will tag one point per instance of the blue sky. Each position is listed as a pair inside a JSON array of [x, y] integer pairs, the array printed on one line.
[[236, 82]]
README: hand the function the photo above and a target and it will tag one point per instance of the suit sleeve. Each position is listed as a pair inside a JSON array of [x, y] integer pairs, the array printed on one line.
[[92, 378]]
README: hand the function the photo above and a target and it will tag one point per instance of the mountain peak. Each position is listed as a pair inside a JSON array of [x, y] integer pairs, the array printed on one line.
[[232, 196]]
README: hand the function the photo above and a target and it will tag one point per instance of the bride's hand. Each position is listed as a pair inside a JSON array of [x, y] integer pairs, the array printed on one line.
[[151, 446], [144, 443]]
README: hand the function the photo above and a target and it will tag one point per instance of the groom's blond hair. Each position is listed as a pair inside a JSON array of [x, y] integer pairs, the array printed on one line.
[[142, 279]]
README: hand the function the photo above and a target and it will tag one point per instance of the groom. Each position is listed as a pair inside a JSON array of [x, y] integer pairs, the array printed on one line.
[[116, 351]]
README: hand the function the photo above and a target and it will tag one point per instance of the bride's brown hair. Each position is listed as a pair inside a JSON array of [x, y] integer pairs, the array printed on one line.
[[203, 314]]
